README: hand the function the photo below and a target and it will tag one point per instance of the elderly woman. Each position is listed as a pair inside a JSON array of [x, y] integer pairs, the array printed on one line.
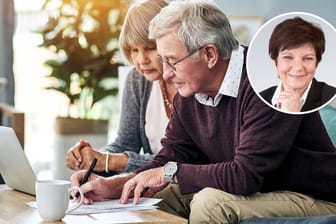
[[296, 46], [146, 103]]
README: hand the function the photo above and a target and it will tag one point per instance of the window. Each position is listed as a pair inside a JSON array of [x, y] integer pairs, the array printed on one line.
[[40, 105]]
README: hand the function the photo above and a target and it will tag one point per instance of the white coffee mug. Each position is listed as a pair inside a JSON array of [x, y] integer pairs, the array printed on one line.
[[53, 199]]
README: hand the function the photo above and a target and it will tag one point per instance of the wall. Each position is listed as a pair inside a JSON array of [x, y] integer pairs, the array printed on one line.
[[244, 7], [271, 8], [322, 8]]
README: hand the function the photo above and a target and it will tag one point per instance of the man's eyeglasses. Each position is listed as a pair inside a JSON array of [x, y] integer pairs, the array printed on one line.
[[173, 65]]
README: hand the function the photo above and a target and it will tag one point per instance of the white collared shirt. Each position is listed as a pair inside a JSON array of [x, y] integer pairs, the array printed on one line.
[[231, 81], [279, 88]]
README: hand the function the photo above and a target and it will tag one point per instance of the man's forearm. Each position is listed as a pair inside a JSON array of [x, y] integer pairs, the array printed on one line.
[[116, 184]]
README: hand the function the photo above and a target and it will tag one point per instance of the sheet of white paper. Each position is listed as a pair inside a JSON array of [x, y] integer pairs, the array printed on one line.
[[112, 206], [127, 217], [115, 206]]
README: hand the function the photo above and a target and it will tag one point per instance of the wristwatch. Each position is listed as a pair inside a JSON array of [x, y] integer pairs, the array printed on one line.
[[169, 170]]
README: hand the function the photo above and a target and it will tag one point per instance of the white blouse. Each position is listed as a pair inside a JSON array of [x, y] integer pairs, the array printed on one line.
[[156, 118]]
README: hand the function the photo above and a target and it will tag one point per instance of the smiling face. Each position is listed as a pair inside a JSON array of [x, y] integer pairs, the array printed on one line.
[[145, 61], [296, 67]]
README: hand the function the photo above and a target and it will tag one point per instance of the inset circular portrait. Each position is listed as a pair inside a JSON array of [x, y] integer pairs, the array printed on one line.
[[290, 62]]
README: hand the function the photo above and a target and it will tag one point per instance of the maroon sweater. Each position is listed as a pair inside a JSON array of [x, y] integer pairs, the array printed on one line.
[[242, 146]]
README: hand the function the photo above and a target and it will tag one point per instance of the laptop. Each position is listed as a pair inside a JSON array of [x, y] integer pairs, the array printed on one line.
[[15, 168]]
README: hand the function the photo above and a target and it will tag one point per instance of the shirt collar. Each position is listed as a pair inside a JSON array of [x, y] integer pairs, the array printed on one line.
[[302, 99], [231, 81]]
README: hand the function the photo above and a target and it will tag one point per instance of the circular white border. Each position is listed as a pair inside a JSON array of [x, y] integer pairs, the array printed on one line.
[[261, 69]]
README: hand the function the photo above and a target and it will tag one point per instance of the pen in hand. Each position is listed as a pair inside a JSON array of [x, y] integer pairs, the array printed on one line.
[[87, 174]]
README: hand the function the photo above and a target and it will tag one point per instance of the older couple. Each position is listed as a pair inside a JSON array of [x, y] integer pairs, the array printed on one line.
[[226, 156]]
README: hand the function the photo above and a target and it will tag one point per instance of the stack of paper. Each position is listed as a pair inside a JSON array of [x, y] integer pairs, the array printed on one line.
[[112, 206], [115, 206]]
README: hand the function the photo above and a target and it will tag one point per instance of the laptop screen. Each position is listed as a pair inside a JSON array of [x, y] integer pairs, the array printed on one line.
[[14, 165]]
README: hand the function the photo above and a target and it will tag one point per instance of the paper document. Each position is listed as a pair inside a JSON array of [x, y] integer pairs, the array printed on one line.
[[112, 206]]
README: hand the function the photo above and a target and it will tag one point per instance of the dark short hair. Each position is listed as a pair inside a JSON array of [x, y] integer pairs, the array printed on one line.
[[293, 33]]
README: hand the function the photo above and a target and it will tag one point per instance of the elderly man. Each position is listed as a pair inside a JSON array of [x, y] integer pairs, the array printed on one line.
[[225, 156]]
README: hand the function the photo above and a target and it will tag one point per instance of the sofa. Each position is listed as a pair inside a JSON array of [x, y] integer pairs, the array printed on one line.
[[328, 115]]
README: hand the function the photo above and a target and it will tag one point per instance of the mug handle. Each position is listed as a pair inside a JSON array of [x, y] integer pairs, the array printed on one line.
[[74, 203]]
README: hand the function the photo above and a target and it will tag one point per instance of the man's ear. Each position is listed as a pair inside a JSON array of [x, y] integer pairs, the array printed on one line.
[[211, 55]]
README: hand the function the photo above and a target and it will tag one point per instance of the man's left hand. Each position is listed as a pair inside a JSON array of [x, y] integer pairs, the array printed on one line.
[[147, 182]]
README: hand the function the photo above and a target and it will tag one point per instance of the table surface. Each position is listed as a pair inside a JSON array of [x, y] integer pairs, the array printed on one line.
[[13, 209]]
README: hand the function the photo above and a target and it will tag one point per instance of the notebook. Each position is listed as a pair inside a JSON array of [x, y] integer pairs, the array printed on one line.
[[15, 168]]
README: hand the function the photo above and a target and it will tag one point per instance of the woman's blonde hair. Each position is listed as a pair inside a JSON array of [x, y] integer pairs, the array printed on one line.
[[134, 31]]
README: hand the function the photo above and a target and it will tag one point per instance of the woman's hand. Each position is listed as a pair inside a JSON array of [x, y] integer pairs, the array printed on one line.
[[289, 101], [88, 154], [74, 158], [81, 155]]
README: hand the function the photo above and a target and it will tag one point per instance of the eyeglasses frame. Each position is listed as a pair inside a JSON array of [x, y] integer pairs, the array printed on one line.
[[173, 65]]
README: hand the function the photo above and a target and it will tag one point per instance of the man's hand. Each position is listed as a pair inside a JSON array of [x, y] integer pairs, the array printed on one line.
[[147, 182], [98, 188]]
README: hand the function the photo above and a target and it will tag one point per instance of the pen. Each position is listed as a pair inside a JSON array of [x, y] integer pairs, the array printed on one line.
[[88, 173]]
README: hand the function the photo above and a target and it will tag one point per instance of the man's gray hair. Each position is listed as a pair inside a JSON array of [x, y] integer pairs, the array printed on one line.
[[196, 23]]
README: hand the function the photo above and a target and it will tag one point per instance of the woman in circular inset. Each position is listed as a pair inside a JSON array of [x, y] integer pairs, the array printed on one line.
[[296, 47]]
